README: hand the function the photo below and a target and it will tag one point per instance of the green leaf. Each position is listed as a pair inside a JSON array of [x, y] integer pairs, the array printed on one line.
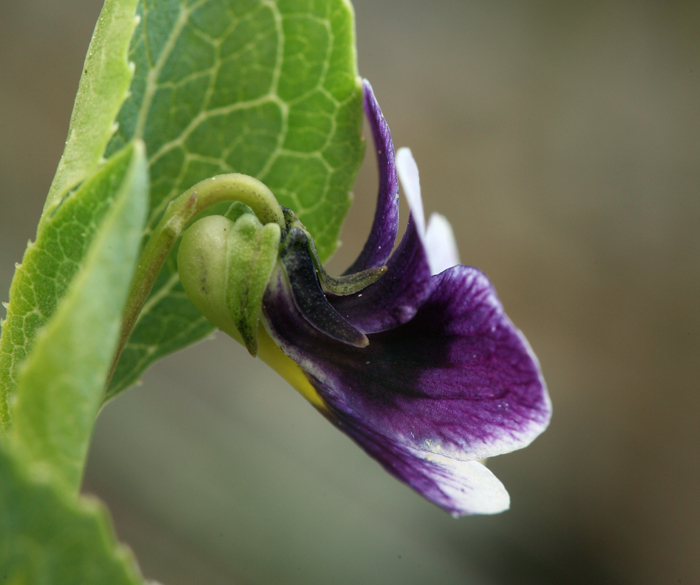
[[261, 87], [48, 268], [103, 88], [49, 537], [68, 221], [61, 384]]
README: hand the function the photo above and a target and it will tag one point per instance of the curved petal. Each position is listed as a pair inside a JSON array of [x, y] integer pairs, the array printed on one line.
[[460, 487], [396, 296], [438, 238], [381, 239], [410, 181], [440, 244], [458, 380]]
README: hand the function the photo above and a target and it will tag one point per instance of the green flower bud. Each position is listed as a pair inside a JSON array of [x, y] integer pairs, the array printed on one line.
[[225, 267]]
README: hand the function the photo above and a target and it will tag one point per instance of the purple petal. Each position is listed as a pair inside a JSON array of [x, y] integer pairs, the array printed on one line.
[[460, 487], [456, 382], [386, 217], [396, 296]]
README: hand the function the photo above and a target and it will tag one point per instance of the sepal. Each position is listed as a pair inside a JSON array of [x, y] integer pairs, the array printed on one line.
[[344, 285], [304, 288]]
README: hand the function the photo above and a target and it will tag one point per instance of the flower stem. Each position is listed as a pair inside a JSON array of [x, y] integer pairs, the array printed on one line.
[[179, 213]]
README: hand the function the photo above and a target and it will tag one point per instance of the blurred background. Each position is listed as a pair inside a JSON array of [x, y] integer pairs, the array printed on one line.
[[562, 140]]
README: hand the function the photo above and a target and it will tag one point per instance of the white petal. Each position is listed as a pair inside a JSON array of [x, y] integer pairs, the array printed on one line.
[[408, 175], [440, 244], [469, 487]]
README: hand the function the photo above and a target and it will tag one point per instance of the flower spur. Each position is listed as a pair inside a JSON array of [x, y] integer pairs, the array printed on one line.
[[409, 353]]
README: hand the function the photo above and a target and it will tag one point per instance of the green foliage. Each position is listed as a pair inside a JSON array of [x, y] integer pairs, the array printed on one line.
[[267, 88], [49, 266], [103, 88], [49, 537], [68, 224], [61, 385], [264, 88]]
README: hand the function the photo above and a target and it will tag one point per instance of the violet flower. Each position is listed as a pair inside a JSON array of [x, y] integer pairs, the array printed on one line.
[[416, 362]]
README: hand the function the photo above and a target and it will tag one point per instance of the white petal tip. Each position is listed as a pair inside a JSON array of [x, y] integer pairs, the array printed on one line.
[[408, 175], [440, 244], [478, 492]]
